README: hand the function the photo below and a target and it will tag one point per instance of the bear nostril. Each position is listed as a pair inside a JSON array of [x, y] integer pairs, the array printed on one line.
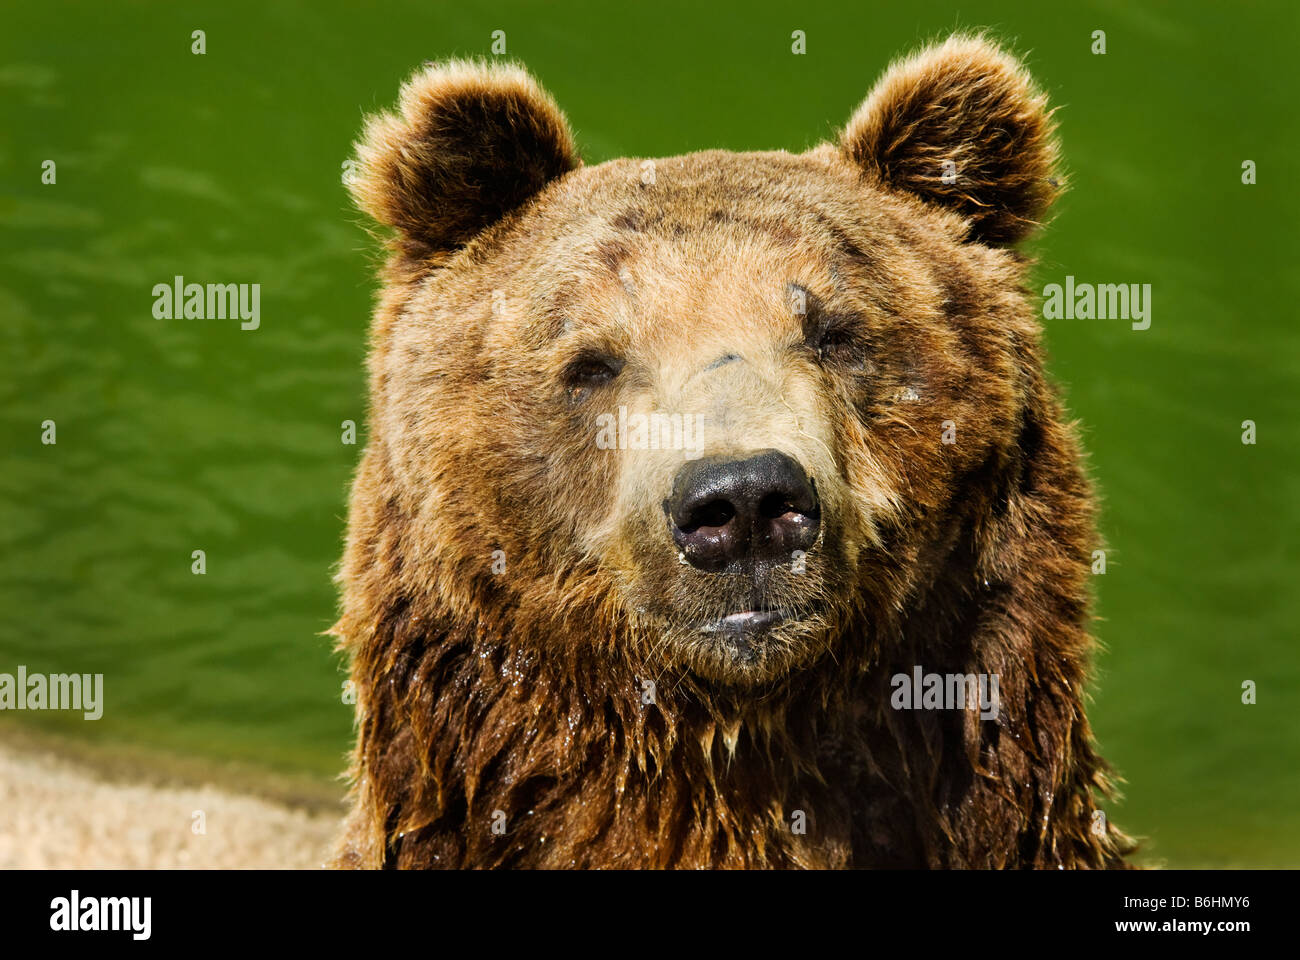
[[776, 505], [715, 513]]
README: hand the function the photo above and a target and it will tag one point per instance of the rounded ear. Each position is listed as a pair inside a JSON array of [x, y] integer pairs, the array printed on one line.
[[961, 125], [470, 143]]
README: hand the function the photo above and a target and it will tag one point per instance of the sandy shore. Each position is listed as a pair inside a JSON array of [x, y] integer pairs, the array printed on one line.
[[55, 812]]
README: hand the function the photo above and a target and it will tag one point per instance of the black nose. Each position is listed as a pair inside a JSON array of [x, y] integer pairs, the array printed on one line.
[[727, 514]]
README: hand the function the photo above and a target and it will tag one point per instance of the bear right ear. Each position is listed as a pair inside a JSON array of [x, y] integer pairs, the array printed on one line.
[[961, 125], [472, 142]]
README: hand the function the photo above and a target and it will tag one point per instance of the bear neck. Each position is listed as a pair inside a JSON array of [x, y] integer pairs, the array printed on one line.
[[482, 747]]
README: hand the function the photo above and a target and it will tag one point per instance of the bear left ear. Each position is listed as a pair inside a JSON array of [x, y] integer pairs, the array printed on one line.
[[470, 144], [961, 125]]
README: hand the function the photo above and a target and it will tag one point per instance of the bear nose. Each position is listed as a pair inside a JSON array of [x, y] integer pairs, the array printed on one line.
[[727, 513]]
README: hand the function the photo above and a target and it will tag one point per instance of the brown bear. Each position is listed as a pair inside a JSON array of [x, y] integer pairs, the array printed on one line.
[[685, 479]]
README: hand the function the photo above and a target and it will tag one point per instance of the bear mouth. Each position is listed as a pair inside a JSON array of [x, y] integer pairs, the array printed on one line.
[[735, 629], [743, 638], [745, 623], [757, 641]]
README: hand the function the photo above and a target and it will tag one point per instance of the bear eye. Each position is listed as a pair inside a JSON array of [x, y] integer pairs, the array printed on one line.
[[589, 371], [835, 336], [841, 344]]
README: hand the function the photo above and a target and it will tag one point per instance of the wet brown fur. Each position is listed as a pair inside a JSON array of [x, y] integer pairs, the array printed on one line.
[[515, 698]]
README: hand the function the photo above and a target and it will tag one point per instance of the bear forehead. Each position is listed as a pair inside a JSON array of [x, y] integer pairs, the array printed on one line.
[[670, 228], [812, 198]]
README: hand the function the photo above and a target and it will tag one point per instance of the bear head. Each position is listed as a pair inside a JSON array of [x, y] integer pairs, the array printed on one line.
[[751, 430]]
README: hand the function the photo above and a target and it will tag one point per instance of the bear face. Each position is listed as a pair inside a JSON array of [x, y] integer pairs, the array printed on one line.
[[760, 427]]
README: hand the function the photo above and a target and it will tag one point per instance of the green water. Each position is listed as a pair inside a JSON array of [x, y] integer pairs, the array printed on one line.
[[180, 435]]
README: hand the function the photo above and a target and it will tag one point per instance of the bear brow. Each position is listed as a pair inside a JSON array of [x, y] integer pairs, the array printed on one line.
[[806, 305], [611, 254], [852, 250], [554, 318], [549, 327], [819, 316]]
